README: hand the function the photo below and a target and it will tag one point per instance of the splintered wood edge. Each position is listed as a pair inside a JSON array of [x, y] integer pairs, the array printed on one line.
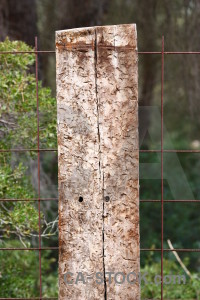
[[78, 38]]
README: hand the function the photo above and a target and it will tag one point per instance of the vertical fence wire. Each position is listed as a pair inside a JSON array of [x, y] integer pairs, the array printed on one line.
[[162, 187], [38, 160]]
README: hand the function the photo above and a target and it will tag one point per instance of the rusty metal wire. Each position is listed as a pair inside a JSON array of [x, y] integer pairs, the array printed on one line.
[[162, 53], [162, 185], [52, 298], [139, 52], [140, 150], [38, 159]]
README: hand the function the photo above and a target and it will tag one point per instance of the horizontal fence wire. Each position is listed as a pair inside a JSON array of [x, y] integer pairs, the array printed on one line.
[[141, 249], [27, 150], [52, 298], [42, 298], [56, 199], [138, 52], [162, 151], [141, 150], [29, 199]]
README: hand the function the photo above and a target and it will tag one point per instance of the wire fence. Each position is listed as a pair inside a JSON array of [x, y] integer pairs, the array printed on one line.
[[38, 150]]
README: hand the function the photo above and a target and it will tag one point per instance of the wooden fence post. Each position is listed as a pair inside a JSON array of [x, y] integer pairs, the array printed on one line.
[[97, 102]]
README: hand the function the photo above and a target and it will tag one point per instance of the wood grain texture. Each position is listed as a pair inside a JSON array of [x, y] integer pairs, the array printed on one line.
[[117, 81], [80, 223], [98, 156]]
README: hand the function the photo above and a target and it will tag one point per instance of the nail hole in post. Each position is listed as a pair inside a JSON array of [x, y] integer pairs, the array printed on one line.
[[107, 198], [80, 199]]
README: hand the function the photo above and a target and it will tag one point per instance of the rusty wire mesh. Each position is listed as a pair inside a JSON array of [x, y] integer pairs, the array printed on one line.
[[162, 53]]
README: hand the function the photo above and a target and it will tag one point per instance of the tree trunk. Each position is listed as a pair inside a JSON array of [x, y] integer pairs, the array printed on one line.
[[147, 20], [3, 19], [18, 20]]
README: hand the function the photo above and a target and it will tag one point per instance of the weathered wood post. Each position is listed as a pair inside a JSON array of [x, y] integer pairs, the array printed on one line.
[[97, 98]]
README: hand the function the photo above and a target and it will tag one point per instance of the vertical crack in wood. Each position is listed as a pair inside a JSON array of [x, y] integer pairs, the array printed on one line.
[[97, 102], [101, 175], [98, 160], [103, 238], [118, 122]]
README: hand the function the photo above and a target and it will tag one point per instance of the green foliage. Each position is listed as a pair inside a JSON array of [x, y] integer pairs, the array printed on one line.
[[18, 101], [174, 290], [18, 120], [13, 182], [19, 274], [18, 277]]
